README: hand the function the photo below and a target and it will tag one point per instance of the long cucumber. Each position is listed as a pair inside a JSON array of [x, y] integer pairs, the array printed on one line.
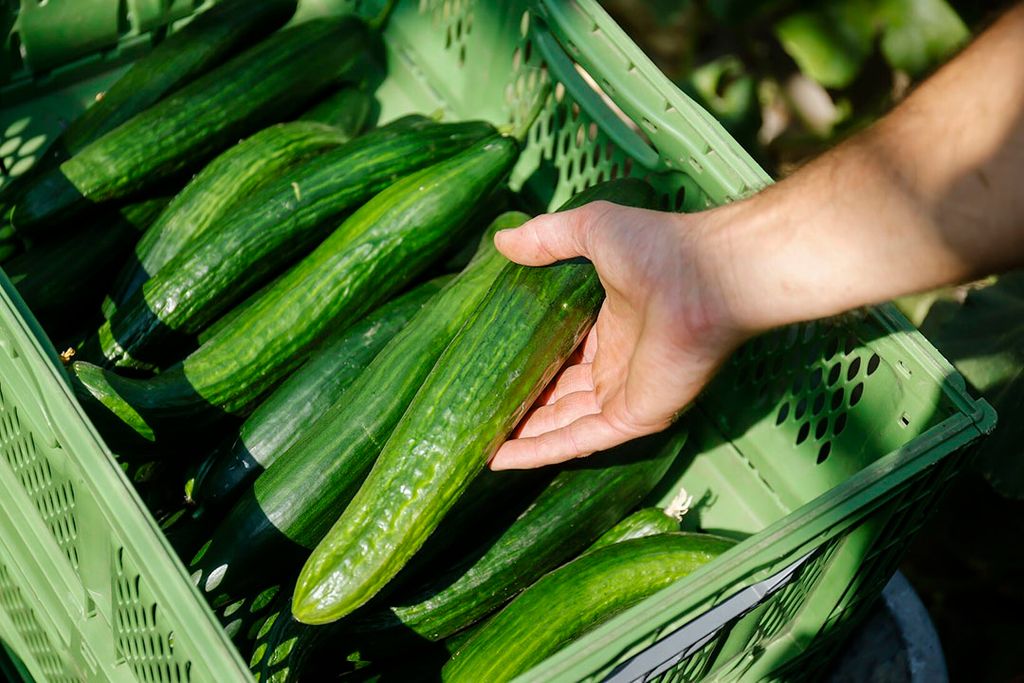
[[261, 236], [222, 184], [264, 85], [303, 398], [292, 505], [374, 253], [489, 375], [575, 598]]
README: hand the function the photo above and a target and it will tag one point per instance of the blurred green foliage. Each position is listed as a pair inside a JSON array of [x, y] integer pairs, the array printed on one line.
[[788, 78]]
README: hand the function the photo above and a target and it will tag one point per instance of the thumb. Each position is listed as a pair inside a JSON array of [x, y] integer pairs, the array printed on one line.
[[548, 238]]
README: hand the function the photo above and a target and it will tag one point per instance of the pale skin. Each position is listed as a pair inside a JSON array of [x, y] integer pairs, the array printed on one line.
[[932, 194]]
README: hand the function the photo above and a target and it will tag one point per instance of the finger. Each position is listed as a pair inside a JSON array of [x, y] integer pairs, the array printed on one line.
[[548, 238], [582, 437], [571, 380], [588, 349], [564, 411]]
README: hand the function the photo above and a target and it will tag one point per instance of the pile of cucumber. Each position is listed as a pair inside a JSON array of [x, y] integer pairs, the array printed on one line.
[[256, 288]]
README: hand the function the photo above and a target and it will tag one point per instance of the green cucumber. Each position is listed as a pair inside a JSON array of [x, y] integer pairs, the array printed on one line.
[[201, 45], [62, 280], [575, 598], [221, 185], [349, 109], [643, 522], [259, 237], [292, 505], [301, 399], [374, 253], [530, 322], [580, 504], [266, 84]]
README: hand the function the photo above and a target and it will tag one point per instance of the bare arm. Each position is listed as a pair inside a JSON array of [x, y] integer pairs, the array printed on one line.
[[932, 194]]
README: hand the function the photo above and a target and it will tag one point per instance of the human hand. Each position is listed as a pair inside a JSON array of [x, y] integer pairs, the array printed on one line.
[[662, 332]]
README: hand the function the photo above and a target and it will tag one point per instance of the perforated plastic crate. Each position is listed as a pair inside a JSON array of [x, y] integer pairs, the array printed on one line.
[[827, 443]]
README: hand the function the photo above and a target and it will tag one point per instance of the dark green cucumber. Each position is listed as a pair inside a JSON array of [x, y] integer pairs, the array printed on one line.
[[62, 280], [301, 399], [272, 228], [580, 504], [203, 44], [643, 522], [225, 182], [266, 84], [349, 109], [530, 322], [292, 505], [374, 253], [574, 599]]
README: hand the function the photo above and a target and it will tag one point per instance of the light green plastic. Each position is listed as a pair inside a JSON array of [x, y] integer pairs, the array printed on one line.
[[830, 440]]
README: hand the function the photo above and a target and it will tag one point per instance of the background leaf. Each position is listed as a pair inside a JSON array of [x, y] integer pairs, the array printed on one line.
[[830, 44], [920, 33]]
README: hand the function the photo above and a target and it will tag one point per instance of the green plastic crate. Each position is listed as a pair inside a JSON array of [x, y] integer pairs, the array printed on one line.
[[825, 444]]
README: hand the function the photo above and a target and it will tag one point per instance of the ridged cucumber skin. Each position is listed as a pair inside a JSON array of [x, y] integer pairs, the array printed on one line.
[[292, 505], [271, 229], [582, 502], [62, 280], [643, 522], [522, 333], [237, 311], [298, 402], [223, 183], [349, 110], [374, 253], [264, 85], [574, 599], [204, 43]]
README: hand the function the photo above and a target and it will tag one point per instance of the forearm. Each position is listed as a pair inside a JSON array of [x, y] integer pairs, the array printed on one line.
[[930, 195]]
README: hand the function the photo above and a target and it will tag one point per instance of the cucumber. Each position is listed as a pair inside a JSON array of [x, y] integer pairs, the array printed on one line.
[[201, 45], [372, 254], [301, 399], [293, 503], [208, 197], [349, 110], [489, 375], [62, 280], [580, 504], [259, 237], [643, 522], [266, 84], [575, 598]]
